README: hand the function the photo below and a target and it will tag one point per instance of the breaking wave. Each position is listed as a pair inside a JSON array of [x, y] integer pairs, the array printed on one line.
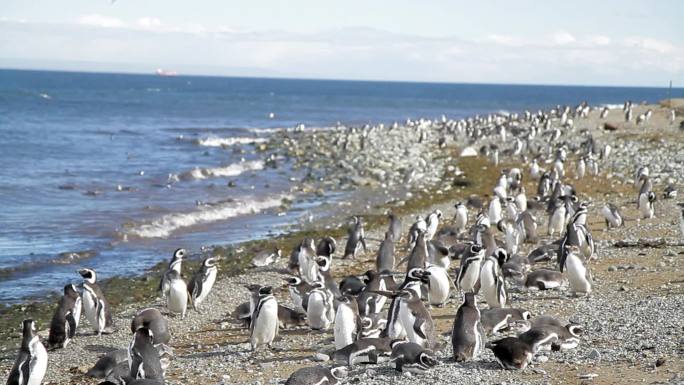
[[234, 169], [214, 141]]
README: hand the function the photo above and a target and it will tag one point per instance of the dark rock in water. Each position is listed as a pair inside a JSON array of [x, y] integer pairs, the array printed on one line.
[[73, 256], [67, 187]]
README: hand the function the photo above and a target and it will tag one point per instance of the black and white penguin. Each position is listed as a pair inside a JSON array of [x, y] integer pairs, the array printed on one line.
[[177, 298], [108, 365], [557, 218], [356, 239], [306, 256], [352, 284], [469, 272], [288, 318], [467, 336], [439, 286], [31, 363], [394, 226], [202, 282], [369, 301], [647, 204], [497, 319], [544, 279], [413, 281], [415, 319], [373, 325], [155, 321], [95, 305], [432, 224], [65, 320], [579, 275], [460, 217], [326, 247], [411, 357], [612, 215], [299, 293], [512, 353], [419, 226], [550, 333], [492, 282], [317, 375], [143, 357], [438, 254], [347, 321], [263, 327], [325, 276], [367, 350], [385, 257], [320, 310], [419, 254], [175, 264]]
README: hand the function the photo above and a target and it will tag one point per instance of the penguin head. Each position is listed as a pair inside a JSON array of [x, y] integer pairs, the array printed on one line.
[[28, 328], [293, 281], [323, 263], [438, 213], [70, 291], [397, 342], [179, 254], [88, 275], [339, 372], [651, 196], [469, 299], [476, 249], [265, 290], [418, 274], [501, 256], [427, 360], [211, 261], [326, 246], [143, 335], [575, 329], [369, 276]]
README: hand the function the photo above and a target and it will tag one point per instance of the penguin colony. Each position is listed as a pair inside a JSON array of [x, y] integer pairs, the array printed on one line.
[[384, 314]]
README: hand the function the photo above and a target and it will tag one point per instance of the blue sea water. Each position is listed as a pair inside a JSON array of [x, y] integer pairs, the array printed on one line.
[[132, 166]]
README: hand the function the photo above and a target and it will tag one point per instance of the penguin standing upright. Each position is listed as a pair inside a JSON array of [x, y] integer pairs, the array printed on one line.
[[357, 238], [579, 275], [31, 363], [469, 273], [492, 283], [347, 321], [202, 282], [65, 320], [299, 293], [306, 256], [557, 218], [177, 299], [385, 257], [612, 215], [263, 327], [143, 357], [646, 204], [432, 224], [413, 280], [95, 305], [461, 217], [415, 319], [320, 309], [420, 226], [394, 226], [439, 286], [175, 264], [467, 336]]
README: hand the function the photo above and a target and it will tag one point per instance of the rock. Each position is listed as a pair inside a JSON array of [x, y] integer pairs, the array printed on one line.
[[468, 151], [542, 359], [321, 357], [612, 268], [594, 355], [587, 376], [660, 362]]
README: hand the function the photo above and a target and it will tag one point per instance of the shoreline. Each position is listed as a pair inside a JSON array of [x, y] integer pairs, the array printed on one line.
[[478, 177]]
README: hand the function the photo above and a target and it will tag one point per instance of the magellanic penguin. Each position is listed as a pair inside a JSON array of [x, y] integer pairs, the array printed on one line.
[[65, 319], [95, 304], [612, 215], [356, 239], [419, 226], [367, 350], [175, 264], [419, 254], [299, 293], [394, 226], [325, 276], [347, 321], [432, 224], [177, 298], [143, 357], [544, 279], [369, 302], [31, 363], [320, 309], [372, 326], [497, 319], [647, 204], [263, 327], [110, 363], [154, 320], [288, 318], [492, 282], [385, 257], [512, 353], [467, 336], [317, 375], [439, 286], [308, 268], [202, 282], [567, 336], [557, 218], [411, 357], [415, 319], [579, 275], [469, 273], [460, 217], [413, 281]]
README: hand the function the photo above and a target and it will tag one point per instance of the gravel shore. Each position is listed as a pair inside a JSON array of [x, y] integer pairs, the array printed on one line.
[[633, 330]]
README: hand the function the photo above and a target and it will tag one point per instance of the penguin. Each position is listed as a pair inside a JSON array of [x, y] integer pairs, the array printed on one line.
[[372, 326], [604, 112], [415, 319], [535, 171], [152, 319], [512, 353], [385, 257], [438, 254], [496, 319], [326, 247], [581, 168], [95, 305], [612, 215], [308, 268], [512, 236], [544, 279], [352, 284], [143, 357], [31, 362], [467, 336], [263, 327], [244, 311], [175, 264], [469, 272], [579, 276], [550, 333], [681, 224], [527, 223], [320, 309], [670, 192], [64, 320], [369, 302], [495, 211], [108, 363], [419, 254], [324, 275], [356, 238], [420, 226], [557, 218], [202, 282], [299, 293], [413, 280], [177, 298], [288, 318], [266, 258], [394, 226], [492, 282], [367, 350], [439, 286], [317, 375], [411, 357], [460, 217], [432, 224], [347, 321], [646, 205]]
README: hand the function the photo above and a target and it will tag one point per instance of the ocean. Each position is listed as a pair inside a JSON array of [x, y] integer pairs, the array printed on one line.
[[131, 167]]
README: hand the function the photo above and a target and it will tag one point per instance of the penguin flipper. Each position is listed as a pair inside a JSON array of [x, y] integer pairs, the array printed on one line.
[[418, 328], [70, 325]]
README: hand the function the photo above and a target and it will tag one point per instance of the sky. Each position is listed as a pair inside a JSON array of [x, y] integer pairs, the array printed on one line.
[[576, 42]]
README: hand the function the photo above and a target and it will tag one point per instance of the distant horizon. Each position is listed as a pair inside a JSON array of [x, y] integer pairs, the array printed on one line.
[[152, 72]]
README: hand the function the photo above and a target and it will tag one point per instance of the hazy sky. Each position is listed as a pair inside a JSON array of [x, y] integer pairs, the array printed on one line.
[[542, 42]]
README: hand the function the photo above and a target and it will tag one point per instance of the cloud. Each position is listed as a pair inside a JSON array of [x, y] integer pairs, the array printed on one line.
[[101, 21], [650, 44], [563, 38], [599, 40], [148, 22]]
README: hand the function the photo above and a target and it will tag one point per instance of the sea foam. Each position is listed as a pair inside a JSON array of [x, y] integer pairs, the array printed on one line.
[[214, 141], [234, 169]]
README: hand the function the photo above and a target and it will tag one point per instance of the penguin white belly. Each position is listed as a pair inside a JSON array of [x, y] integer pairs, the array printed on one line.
[[266, 325], [206, 286], [470, 276], [577, 275], [557, 221], [308, 269], [317, 312], [345, 327], [439, 285], [77, 310], [407, 320], [521, 202], [380, 299], [645, 207], [90, 307], [177, 301], [495, 211], [488, 284], [39, 361], [461, 220], [296, 300]]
